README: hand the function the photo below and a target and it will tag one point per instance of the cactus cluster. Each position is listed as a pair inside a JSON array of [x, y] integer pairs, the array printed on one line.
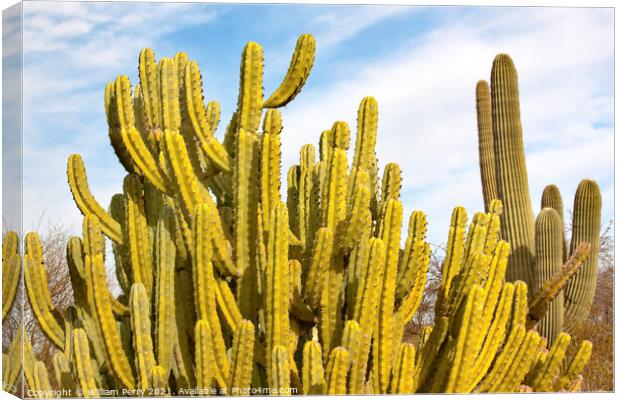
[[226, 288], [539, 246]]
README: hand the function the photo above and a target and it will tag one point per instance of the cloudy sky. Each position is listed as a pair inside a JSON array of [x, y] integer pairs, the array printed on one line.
[[420, 63]]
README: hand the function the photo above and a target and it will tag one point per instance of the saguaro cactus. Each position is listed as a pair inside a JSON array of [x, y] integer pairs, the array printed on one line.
[[228, 288], [504, 176]]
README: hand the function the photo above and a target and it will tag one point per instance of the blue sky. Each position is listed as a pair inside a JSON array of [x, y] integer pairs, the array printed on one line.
[[422, 65]]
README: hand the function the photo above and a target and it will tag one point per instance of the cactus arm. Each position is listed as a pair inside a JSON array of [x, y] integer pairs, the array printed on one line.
[[240, 376], [539, 303], [313, 375], [358, 217], [517, 220], [297, 74], [454, 253], [270, 159], [307, 158], [337, 368], [494, 338], [485, 143], [277, 281], [101, 303], [11, 273], [204, 121], [204, 289], [250, 102], [391, 182], [542, 382], [165, 288], [136, 234], [182, 175], [319, 264], [522, 363], [370, 297], [331, 306], [41, 381], [549, 254], [206, 367], [141, 329], [383, 347], [245, 198], [278, 371], [579, 291], [365, 142], [408, 262], [468, 342], [297, 306], [15, 360], [575, 367], [38, 292], [115, 108], [169, 94], [147, 70], [226, 305], [552, 198], [403, 374], [144, 160], [86, 202], [504, 360], [420, 260]]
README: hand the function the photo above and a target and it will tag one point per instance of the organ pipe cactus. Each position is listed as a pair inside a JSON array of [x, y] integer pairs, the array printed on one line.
[[536, 244], [228, 288]]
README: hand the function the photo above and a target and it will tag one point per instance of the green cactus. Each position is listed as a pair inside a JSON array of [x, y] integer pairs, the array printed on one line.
[[227, 287], [504, 177]]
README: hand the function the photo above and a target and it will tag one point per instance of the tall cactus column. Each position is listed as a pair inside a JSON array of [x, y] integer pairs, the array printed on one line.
[[517, 220], [579, 292], [549, 253], [485, 143]]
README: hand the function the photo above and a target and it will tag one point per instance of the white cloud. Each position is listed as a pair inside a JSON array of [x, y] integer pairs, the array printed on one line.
[[426, 104]]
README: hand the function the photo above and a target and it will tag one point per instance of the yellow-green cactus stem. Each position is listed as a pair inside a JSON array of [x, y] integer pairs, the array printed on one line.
[[369, 298], [542, 382], [240, 376], [521, 364], [469, 341], [158, 382], [549, 254], [96, 279], [485, 143], [579, 292], [13, 361], [350, 338], [391, 182], [227, 305], [337, 368], [297, 74], [62, 371], [552, 198], [504, 360], [319, 264], [334, 190], [204, 290], [298, 308], [85, 201], [42, 384], [408, 261], [366, 139], [204, 121], [250, 102], [169, 94], [11, 271], [277, 281], [313, 375], [165, 288], [136, 234], [418, 265], [206, 367], [383, 346], [517, 220], [38, 292], [403, 374], [116, 106], [270, 161], [576, 366], [149, 86], [278, 371], [331, 306], [83, 364], [454, 253], [141, 329], [246, 200]]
